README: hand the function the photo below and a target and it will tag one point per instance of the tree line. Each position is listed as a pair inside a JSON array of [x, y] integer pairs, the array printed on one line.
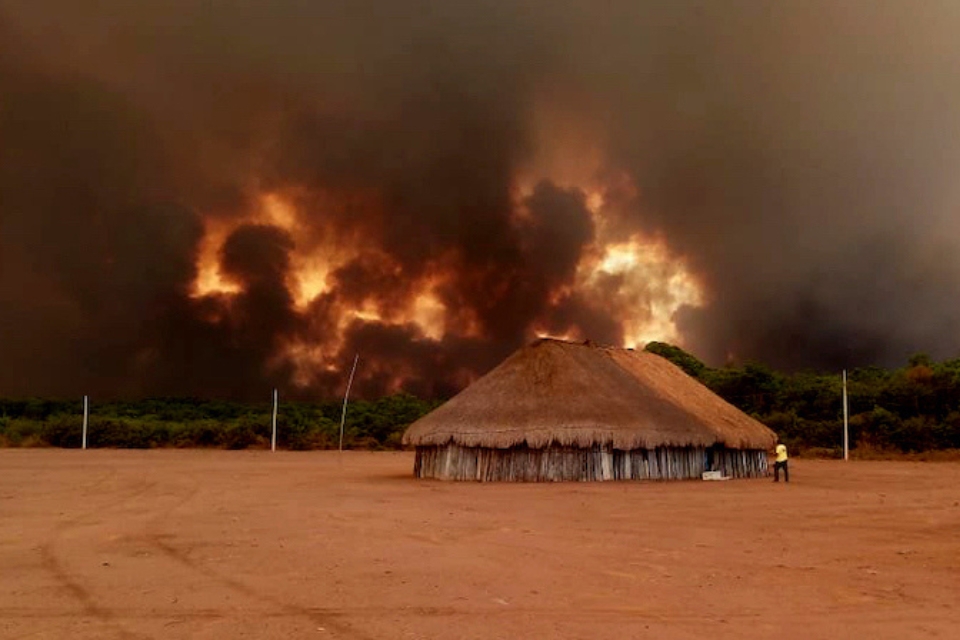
[[913, 408], [909, 409], [194, 422]]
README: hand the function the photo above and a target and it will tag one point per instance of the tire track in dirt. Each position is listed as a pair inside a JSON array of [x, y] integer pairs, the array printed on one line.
[[322, 617], [72, 583], [565, 613], [327, 618], [50, 562]]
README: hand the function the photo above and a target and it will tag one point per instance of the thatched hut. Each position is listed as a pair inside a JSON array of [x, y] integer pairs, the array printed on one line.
[[558, 410]]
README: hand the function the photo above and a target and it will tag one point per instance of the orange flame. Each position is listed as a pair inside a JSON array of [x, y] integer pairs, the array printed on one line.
[[651, 283]]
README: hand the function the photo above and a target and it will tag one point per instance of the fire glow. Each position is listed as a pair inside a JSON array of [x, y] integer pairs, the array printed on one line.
[[655, 285], [635, 280]]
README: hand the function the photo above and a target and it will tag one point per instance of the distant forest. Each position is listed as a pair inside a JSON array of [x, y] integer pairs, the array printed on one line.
[[915, 408], [191, 422], [910, 409]]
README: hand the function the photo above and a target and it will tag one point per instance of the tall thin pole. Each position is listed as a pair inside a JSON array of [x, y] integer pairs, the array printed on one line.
[[846, 428], [86, 411], [343, 415], [273, 439]]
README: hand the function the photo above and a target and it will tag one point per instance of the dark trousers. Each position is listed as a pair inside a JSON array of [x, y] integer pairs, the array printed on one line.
[[776, 471]]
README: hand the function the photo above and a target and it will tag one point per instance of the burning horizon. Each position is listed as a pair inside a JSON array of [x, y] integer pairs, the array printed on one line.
[[216, 199], [635, 280]]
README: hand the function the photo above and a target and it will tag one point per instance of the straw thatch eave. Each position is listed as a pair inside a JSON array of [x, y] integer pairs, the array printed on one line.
[[560, 393]]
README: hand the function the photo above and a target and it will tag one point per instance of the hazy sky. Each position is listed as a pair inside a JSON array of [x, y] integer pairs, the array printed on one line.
[[448, 179]]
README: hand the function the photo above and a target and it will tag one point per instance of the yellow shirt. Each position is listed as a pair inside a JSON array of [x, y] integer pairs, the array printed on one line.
[[781, 453]]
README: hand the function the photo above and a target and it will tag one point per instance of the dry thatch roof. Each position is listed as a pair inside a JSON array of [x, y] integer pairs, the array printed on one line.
[[570, 394]]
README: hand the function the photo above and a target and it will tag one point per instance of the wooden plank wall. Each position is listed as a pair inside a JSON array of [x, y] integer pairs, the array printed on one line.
[[554, 464]]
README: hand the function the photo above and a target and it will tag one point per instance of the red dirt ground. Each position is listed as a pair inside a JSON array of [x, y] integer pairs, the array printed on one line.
[[216, 544]]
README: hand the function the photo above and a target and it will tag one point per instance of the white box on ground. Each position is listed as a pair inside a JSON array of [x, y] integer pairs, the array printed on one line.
[[714, 475]]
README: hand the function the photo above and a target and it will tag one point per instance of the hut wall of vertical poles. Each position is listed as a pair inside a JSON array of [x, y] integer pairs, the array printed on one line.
[[559, 463], [563, 411]]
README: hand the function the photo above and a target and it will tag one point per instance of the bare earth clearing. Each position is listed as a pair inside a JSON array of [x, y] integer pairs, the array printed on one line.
[[216, 544]]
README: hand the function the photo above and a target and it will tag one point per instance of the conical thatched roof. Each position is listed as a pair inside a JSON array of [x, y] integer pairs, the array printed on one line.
[[570, 394]]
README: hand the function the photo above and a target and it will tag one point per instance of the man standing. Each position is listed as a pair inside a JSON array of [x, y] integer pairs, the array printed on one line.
[[781, 463]]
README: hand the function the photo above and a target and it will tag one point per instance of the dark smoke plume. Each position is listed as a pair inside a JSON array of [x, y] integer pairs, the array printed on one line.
[[798, 156]]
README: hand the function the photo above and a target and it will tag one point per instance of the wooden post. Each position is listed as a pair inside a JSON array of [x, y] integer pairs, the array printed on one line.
[[846, 430], [86, 411], [273, 439], [343, 415]]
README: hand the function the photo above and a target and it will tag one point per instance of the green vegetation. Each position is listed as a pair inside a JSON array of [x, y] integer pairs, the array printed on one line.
[[911, 409], [188, 422], [914, 408]]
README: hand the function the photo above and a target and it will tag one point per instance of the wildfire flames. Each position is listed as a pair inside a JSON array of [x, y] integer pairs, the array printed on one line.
[[234, 201], [635, 280]]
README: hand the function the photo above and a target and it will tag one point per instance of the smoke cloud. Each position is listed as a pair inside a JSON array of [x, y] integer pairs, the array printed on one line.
[[215, 198]]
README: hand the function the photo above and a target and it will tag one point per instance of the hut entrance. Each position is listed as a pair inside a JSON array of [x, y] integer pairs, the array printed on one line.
[[711, 461]]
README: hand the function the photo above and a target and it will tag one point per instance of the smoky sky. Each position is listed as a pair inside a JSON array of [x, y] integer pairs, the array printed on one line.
[[799, 157]]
